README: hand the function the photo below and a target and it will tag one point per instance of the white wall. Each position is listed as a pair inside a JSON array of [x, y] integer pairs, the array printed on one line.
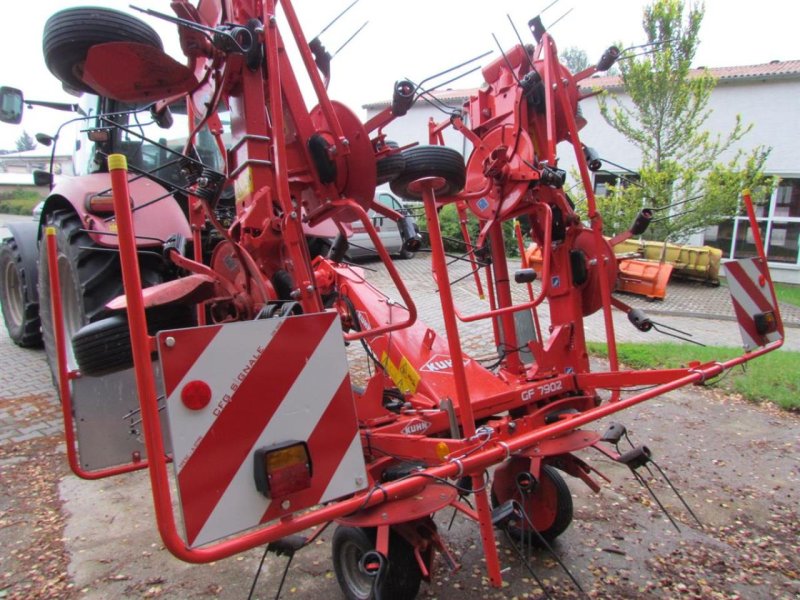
[[770, 105]]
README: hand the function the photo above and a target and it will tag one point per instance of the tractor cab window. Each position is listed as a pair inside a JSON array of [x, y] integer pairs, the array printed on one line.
[[145, 143], [206, 145], [148, 146]]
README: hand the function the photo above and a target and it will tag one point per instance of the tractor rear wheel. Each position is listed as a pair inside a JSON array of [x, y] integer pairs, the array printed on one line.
[[430, 161], [20, 313], [90, 277], [402, 577], [548, 507], [69, 34]]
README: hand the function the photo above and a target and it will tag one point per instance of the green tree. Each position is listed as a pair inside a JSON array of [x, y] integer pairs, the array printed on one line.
[[25, 142], [574, 59], [681, 172]]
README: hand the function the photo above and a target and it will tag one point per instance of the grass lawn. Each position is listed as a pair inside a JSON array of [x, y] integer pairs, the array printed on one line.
[[788, 293], [774, 377]]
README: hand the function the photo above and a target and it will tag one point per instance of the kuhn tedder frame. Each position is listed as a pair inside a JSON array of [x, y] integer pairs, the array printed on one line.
[[266, 435]]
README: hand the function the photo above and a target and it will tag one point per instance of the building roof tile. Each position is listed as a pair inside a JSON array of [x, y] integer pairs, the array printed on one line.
[[776, 69]]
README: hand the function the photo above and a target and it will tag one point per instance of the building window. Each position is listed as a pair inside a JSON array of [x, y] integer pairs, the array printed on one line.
[[778, 220]]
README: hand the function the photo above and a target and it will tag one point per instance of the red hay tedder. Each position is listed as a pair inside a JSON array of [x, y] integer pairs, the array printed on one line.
[[233, 324]]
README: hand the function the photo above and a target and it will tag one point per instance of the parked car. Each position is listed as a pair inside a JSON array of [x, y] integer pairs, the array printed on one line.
[[361, 245]]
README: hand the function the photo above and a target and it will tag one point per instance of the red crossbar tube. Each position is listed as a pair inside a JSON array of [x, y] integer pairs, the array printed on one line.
[[65, 375]]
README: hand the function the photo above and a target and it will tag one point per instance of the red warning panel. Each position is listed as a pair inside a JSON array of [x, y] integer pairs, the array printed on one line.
[[753, 302], [235, 392]]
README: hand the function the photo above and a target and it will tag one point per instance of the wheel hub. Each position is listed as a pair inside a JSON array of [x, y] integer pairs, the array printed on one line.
[[358, 581]]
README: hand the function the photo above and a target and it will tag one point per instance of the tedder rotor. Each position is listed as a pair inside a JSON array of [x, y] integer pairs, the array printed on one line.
[[262, 433]]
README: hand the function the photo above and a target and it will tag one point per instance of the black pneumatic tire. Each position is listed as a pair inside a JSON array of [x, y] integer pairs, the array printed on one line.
[[20, 314], [105, 345], [403, 576], [90, 277], [431, 161], [405, 254], [563, 513], [389, 167], [69, 34]]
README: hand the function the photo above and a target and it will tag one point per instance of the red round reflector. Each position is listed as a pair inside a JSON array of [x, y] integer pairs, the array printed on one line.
[[196, 394]]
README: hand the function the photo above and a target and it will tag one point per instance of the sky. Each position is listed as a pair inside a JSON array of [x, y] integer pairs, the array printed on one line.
[[418, 38]]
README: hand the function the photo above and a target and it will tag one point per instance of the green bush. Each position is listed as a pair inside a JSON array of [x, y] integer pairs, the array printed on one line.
[[451, 231], [18, 201]]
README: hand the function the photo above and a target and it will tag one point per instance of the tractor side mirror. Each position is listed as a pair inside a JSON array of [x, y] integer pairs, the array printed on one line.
[[44, 139], [42, 178], [11, 102]]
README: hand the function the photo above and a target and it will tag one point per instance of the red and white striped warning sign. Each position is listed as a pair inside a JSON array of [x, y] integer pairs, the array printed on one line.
[[271, 381], [753, 302]]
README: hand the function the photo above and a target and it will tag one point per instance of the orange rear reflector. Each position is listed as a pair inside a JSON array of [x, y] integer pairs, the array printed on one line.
[[282, 469]]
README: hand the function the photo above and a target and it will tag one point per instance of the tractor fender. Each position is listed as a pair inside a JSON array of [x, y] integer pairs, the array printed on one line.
[[153, 223], [25, 234]]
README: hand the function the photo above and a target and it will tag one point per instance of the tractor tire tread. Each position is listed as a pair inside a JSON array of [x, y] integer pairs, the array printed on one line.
[[96, 273], [28, 332]]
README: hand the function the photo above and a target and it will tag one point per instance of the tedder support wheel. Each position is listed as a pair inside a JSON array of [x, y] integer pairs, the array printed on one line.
[[390, 167], [430, 161], [405, 254], [402, 577], [548, 506], [69, 34], [20, 313], [105, 345], [90, 277]]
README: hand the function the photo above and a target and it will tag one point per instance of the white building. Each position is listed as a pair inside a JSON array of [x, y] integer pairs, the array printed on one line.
[[38, 158], [765, 95]]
